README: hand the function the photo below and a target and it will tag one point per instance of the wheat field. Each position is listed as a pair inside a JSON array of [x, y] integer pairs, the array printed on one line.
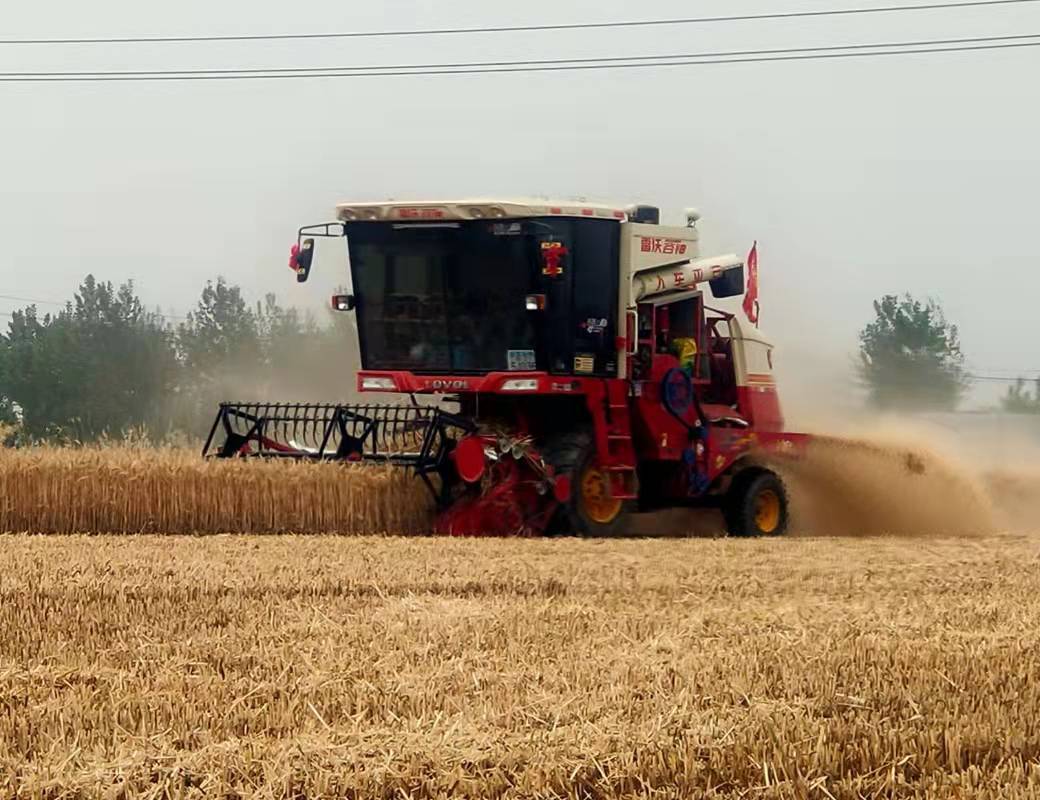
[[169, 490], [303, 667], [844, 486]]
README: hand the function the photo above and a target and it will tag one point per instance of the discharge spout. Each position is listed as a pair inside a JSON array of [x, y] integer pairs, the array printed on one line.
[[683, 276]]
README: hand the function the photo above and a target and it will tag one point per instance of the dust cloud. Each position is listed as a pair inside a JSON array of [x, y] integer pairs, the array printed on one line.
[[940, 474], [849, 487]]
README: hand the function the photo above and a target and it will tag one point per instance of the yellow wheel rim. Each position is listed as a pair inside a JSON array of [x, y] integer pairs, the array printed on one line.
[[767, 511], [595, 496]]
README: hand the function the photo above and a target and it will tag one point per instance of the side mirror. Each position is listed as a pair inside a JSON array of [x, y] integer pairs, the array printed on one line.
[[300, 258], [343, 302]]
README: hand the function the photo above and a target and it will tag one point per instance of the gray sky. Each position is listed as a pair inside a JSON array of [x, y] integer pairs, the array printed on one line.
[[858, 177]]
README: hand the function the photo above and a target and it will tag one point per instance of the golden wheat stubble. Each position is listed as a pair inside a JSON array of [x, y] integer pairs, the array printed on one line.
[[373, 667]]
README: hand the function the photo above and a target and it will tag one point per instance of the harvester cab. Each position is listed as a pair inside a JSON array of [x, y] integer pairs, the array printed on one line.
[[587, 373]]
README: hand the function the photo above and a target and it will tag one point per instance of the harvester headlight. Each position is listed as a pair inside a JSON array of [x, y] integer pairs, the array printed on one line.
[[520, 385], [378, 384]]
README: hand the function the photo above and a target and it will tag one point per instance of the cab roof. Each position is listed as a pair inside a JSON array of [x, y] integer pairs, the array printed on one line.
[[478, 208]]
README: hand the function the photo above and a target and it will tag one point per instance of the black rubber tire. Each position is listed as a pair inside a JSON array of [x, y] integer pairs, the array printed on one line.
[[741, 501], [569, 454]]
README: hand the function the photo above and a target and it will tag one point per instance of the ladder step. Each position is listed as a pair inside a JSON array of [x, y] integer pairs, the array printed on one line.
[[620, 444]]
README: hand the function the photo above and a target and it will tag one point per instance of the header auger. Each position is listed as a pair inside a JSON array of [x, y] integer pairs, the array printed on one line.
[[587, 374]]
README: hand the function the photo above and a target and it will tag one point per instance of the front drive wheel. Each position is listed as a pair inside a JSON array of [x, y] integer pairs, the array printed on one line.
[[590, 511], [756, 504]]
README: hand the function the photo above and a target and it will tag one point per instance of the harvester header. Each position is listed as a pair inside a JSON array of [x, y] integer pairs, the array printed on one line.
[[585, 371]]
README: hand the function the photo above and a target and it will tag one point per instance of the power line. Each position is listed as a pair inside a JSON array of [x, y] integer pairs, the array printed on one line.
[[36, 300], [30, 300], [992, 374], [516, 28], [998, 379], [1004, 369], [805, 54], [474, 65]]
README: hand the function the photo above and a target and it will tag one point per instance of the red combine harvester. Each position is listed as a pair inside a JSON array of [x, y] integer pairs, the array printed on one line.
[[587, 375]]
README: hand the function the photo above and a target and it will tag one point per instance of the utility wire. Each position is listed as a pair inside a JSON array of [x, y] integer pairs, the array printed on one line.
[[474, 65], [997, 379], [803, 54], [30, 300], [517, 28], [1031, 373], [36, 300]]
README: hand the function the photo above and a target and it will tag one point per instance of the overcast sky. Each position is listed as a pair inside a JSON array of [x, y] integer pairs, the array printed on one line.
[[858, 177]]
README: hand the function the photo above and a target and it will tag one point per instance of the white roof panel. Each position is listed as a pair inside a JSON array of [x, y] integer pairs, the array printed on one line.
[[478, 208]]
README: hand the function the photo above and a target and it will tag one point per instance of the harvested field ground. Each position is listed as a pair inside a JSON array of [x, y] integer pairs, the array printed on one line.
[[319, 666]]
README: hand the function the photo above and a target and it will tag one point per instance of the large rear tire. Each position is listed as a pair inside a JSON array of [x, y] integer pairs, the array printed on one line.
[[590, 510], [756, 504]]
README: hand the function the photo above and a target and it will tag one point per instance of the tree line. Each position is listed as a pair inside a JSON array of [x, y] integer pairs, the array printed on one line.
[[104, 365]]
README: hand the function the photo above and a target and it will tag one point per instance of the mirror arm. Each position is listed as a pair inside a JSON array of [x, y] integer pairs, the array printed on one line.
[[303, 253], [324, 230]]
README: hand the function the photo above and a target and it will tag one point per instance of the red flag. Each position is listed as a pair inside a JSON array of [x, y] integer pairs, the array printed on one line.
[[751, 296]]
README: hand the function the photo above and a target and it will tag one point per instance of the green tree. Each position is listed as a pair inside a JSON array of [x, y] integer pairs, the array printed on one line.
[[9, 413], [1019, 400], [263, 353], [221, 356], [221, 334], [910, 356], [288, 342], [102, 365]]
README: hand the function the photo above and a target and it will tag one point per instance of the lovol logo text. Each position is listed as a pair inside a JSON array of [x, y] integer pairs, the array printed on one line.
[[448, 386]]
